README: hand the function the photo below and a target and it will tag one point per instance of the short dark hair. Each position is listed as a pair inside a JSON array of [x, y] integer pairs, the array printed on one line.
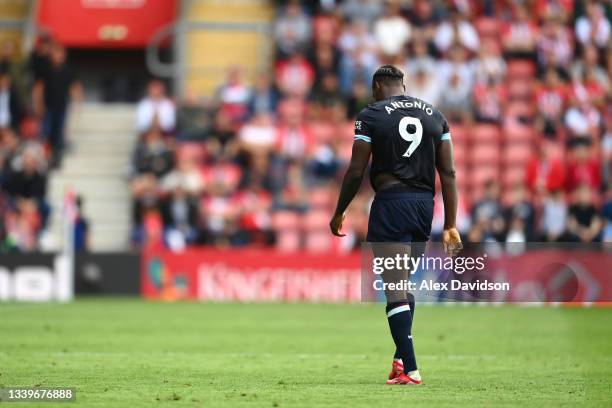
[[388, 75]]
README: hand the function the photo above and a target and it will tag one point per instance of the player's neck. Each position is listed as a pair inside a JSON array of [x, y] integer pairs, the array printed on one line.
[[394, 94]]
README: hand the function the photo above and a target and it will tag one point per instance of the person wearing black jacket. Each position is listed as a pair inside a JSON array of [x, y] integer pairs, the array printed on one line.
[[56, 84]]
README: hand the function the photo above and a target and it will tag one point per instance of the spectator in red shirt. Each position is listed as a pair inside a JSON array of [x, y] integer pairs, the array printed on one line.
[[583, 168], [295, 76], [545, 173], [254, 207]]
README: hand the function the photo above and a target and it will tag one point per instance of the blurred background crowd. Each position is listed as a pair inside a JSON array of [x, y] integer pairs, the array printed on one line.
[[525, 84], [35, 93]]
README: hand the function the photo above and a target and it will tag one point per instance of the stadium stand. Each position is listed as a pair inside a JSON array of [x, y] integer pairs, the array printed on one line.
[[526, 86]]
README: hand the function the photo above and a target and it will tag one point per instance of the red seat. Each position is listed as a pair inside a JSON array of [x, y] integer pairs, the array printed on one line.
[[518, 133], [320, 198], [487, 27], [520, 88], [191, 151], [458, 133], [346, 150], [513, 175], [319, 241], [521, 69], [517, 153], [506, 197], [286, 224], [516, 110], [316, 220], [285, 220], [461, 174], [480, 175], [460, 154], [485, 134], [287, 240], [484, 154], [475, 194], [322, 132]]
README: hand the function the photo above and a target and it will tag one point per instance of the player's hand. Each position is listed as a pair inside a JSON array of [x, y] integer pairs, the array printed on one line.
[[451, 241], [336, 224]]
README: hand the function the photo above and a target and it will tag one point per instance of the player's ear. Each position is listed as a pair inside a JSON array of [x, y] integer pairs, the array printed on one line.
[[377, 88]]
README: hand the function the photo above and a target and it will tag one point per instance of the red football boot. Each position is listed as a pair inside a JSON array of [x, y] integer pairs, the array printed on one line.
[[405, 379], [396, 369]]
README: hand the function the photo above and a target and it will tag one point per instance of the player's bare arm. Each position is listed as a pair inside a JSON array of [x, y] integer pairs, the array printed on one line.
[[351, 183], [446, 169]]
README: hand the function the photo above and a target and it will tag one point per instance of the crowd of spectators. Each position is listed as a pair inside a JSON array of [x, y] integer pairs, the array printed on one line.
[[525, 84], [34, 98]]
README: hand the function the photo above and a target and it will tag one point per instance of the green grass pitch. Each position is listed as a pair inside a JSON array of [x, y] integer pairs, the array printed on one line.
[[132, 353]]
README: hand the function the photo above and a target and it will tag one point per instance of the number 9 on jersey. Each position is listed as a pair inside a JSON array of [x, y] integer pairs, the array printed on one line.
[[415, 137]]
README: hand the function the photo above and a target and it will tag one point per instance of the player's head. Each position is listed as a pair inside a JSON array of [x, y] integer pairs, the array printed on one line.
[[387, 81]]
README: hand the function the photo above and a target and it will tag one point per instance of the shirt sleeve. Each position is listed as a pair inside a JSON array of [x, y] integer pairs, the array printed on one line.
[[362, 128], [445, 134]]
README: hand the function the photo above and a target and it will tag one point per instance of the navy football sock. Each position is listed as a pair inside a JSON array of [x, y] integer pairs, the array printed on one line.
[[412, 305], [400, 323]]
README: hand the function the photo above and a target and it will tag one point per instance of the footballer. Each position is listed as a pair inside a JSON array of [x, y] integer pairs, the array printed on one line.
[[408, 140]]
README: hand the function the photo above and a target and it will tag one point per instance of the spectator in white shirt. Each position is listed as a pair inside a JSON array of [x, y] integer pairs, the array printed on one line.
[[554, 216], [583, 121], [456, 99], [457, 30], [489, 65], [420, 58], [366, 10], [594, 27], [293, 29], [10, 108], [258, 135], [555, 45], [359, 54], [456, 64], [590, 63], [392, 31], [424, 85], [520, 34], [155, 110], [5, 102], [358, 44]]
